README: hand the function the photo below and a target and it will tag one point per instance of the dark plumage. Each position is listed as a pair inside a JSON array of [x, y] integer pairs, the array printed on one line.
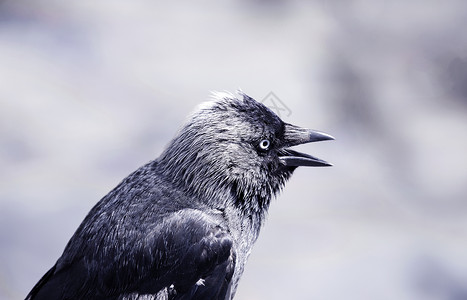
[[182, 226]]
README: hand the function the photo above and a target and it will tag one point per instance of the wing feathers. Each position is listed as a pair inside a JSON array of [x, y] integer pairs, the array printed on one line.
[[180, 251]]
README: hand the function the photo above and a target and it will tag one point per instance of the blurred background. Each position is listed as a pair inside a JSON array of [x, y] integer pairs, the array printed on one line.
[[91, 90]]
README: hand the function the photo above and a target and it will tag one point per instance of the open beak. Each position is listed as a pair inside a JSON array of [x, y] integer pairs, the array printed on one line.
[[294, 135]]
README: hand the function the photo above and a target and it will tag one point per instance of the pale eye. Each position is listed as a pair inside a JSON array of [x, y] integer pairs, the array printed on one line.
[[264, 144]]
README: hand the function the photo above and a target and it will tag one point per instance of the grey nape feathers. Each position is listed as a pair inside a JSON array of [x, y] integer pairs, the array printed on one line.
[[183, 225]]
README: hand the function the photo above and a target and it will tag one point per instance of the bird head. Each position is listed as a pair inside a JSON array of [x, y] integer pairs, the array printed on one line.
[[237, 144]]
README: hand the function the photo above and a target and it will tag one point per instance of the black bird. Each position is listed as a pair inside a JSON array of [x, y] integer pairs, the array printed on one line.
[[183, 225]]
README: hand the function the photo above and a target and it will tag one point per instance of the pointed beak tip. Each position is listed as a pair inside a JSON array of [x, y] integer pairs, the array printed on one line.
[[317, 136], [297, 159], [323, 163]]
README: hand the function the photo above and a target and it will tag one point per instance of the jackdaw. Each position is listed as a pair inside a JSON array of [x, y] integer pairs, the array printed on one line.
[[183, 225]]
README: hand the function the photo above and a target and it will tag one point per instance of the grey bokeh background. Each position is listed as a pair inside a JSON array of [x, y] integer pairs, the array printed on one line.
[[90, 90]]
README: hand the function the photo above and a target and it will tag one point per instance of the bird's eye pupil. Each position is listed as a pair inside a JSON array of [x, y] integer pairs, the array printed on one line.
[[264, 144]]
